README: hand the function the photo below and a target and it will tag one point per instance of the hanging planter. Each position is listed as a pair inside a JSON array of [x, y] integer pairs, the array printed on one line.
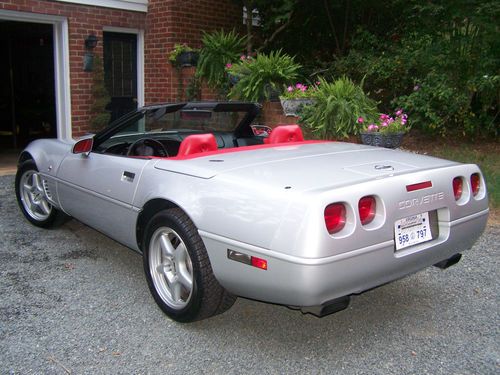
[[187, 58], [183, 56]]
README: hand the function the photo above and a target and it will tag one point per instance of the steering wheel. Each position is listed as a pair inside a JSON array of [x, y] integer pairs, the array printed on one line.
[[147, 147]]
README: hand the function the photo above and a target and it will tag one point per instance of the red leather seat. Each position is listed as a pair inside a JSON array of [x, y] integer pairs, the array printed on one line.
[[196, 143], [286, 133]]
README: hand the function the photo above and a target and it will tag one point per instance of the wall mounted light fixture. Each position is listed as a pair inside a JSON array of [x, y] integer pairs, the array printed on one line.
[[88, 59]]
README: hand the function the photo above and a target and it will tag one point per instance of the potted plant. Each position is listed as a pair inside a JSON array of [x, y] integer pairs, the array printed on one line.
[[262, 77], [337, 106], [218, 52], [387, 131], [183, 56], [296, 97]]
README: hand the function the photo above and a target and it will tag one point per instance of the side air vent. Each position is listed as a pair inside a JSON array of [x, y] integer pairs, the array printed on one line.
[[46, 189]]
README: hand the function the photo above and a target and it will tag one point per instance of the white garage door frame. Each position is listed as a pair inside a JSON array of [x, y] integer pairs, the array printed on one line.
[[61, 64]]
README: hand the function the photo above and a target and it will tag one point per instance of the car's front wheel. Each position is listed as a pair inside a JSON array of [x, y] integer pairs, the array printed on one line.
[[32, 197], [178, 269]]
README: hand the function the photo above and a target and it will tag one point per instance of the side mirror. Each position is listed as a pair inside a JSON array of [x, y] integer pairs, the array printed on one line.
[[83, 146]]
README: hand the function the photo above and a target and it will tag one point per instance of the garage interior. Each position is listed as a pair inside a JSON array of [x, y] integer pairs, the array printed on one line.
[[27, 92]]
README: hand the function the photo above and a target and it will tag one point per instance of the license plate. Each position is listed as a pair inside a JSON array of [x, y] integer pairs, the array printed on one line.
[[412, 230]]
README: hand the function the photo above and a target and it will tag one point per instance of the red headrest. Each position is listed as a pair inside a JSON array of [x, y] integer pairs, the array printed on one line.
[[286, 133], [196, 143]]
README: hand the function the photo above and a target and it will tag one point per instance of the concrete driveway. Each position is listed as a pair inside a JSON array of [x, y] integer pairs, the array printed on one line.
[[74, 302]]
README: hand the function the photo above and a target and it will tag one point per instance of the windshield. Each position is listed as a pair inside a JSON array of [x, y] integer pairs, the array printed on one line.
[[159, 120]]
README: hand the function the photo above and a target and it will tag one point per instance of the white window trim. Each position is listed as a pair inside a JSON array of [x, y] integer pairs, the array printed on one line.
[[61, 65], [134, 5], [140, 57]]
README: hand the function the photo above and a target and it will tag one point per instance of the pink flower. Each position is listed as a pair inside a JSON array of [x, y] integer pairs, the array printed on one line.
[[229, 65], [384, 117], [243, 57], [399, 112], [372, 127], [384, 124], [289, 89], [303, 88], [416, 88], [298, 85], [318, 82], [360, 120]]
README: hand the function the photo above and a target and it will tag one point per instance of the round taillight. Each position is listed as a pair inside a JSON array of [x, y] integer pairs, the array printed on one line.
[[458, 187], [335, 217], [475, 183], [367, 206]]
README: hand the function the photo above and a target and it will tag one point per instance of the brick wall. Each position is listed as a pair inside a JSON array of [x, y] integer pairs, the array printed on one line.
[[272, 115], [175, 21]]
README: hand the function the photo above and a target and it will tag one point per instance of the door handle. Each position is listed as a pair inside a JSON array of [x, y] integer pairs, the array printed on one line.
[[128, 176]]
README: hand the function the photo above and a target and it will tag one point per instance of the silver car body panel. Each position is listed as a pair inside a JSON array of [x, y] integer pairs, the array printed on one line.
[[269, 203]]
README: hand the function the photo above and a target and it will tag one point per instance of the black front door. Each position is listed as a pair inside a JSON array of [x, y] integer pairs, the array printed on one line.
[[120, 72]]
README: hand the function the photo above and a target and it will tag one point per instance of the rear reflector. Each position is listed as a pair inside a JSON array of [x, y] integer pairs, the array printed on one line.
[[259, 263], [475, 183], [458, 187], [247, 259], [419, 186], [335, 217], [367, 207]]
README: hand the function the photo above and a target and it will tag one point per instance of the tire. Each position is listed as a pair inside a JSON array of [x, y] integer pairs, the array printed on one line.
[[32, 198], [178, 269]]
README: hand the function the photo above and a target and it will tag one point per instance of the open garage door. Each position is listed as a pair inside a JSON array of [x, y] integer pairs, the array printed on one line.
[[27, 93]]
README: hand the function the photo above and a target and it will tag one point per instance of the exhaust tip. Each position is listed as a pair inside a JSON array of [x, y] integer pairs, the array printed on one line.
[[444, 264], [327, 308]]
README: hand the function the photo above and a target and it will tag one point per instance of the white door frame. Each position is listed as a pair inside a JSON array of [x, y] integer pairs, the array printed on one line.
[[140, 57], [61, 64]]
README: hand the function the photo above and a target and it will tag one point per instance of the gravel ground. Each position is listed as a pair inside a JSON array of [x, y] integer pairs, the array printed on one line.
[[73, 301]]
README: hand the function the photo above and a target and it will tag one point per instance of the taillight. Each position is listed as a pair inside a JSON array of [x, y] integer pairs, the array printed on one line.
[[367, 207], [475, 183], [458, 187], [335, 217]]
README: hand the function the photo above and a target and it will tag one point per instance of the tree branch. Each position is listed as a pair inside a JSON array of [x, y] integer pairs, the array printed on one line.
[[276, 32]]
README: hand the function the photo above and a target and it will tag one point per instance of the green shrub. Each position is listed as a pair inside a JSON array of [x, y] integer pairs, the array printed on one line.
[[337, 107], [100, 116], [218, 50], [263, 77]]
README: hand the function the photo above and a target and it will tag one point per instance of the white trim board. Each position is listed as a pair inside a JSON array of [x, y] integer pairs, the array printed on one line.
[[61, 64], [134, 5]]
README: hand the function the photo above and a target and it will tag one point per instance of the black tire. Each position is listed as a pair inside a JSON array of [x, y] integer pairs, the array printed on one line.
[[206, 297], [51, 217]]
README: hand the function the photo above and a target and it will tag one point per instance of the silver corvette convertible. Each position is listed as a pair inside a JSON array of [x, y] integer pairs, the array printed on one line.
[[221, 208]]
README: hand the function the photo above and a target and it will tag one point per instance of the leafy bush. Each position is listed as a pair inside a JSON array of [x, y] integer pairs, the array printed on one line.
[[263, 77], [338, 105], [219, 49], [100, 116], [440, 67]]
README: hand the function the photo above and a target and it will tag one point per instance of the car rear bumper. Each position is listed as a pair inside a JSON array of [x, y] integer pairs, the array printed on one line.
[[297, 281]]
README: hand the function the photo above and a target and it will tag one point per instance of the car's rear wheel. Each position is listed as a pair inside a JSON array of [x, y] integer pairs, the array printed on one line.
[[178, 269], [32, 197]]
